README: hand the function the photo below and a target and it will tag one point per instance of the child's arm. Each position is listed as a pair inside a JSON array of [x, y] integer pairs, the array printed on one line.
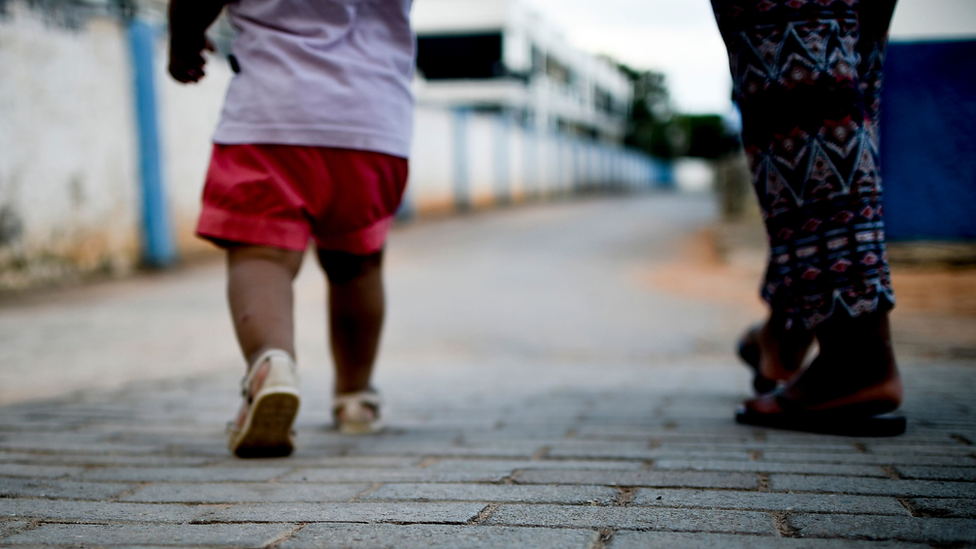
[[188, 22]]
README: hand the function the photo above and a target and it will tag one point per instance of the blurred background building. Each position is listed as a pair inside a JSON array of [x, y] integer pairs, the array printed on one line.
[[499, 56], [102, 155]]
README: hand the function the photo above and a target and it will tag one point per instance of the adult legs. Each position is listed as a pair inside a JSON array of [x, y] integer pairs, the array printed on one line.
[[807, 78]]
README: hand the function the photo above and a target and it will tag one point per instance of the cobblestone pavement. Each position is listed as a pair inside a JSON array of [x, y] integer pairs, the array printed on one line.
[[539, 395]]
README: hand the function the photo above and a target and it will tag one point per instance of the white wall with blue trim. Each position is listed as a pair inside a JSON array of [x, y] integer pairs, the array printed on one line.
[[73, 163]]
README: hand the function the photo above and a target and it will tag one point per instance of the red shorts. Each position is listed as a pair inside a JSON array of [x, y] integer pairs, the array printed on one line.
[[280, 195]]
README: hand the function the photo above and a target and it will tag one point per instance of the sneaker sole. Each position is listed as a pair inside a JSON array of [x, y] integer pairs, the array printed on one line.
[[268, 430]]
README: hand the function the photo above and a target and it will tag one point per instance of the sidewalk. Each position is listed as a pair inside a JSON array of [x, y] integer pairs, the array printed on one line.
[[547, 386]]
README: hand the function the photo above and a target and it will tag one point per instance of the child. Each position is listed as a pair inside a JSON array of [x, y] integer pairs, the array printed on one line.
[[312, 142]]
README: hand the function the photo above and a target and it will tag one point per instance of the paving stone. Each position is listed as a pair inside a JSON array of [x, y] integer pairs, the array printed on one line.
[[91, 511], [508, 466], [184, 474], [214, 535], [68, 489], [61, 442], [439, 513], [243, 492], [855, 458], [941, 507], [596, 408], [967, 474], [382, 462], [639, 451], [643, 540], [872, 486], [515, 493], [413, 536], [692, 479], [918, 449], [765, 501], [36, 471], [11, 527], [339, 475], [65, 459], [551, 516], [497, 449], [771, 467], [928, 530], [804, 446]]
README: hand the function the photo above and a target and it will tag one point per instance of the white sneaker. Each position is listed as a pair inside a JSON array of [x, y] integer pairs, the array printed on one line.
[[263, 425]]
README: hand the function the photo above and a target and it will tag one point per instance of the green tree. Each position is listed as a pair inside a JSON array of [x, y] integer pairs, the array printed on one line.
[[652, 126]]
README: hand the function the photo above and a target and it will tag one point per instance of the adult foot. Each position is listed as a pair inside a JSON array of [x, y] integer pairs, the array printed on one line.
[[774, 353], [853, 380]]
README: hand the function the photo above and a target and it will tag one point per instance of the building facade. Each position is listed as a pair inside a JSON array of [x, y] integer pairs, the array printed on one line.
[[498, 55]]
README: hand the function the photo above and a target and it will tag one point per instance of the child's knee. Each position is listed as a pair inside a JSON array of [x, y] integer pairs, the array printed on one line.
[[342, 267], [288, 259]]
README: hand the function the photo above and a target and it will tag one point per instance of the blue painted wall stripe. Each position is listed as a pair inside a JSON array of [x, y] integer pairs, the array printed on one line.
[[158, 249]]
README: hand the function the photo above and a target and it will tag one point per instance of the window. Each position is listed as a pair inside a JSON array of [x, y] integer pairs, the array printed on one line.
[[468, 56]]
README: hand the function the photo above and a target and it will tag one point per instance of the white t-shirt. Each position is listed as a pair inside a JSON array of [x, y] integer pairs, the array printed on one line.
[[328, 73]]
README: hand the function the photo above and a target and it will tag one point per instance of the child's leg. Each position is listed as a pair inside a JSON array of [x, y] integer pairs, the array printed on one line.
[[261, 303], [356, 308], [259, 289]]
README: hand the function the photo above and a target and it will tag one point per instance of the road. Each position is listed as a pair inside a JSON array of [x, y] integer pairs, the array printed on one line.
[[546, 386]]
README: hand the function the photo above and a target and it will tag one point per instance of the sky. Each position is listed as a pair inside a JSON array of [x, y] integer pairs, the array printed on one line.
[[680, 38]]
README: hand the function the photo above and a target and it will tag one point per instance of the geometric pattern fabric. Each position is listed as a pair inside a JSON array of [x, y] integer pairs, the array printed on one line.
[[807, 78]]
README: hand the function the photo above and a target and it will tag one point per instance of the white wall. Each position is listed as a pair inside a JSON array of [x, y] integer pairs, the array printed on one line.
[[68, 151], [67, 148], [501, 161]]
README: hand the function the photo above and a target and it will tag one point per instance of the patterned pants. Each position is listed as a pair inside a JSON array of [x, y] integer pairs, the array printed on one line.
[[807, 76]]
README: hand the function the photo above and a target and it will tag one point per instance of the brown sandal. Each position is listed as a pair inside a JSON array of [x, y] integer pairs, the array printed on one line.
[[871, 418]]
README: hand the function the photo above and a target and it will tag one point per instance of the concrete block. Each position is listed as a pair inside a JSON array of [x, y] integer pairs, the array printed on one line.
[[184, 474], [675, 479], [36, 471], [764, 501], [415, 536], [856, 458], [92, 511], [514, 493], [381, 462], [507, 466], [927, 530], [118, 460], [11, 527], [947, 508], [243, 492], [643, 540], [967, 474], [68, 489], [765, 466], [406, 474], [872, 486], [213, 535], [440, 513], [551, 516]]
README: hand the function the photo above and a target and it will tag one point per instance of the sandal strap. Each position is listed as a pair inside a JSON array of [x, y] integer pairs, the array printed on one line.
[[368, 397], [787, 404], [252, 371]]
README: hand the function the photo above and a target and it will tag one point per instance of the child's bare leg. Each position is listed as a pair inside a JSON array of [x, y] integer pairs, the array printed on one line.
[[259, 289], [356, 309]]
